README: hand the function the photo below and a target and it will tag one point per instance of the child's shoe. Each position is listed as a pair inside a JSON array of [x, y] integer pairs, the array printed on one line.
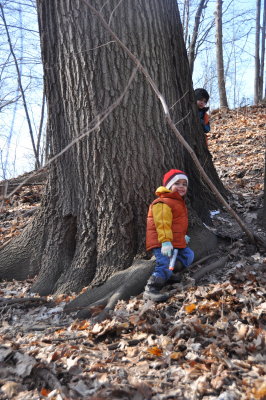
[[175, 278], [152, 289], [179, 267]]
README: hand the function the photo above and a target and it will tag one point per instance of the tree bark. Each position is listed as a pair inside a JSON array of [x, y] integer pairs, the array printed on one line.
[[263, 31], [185, 20], [219, 55], [93, 216]]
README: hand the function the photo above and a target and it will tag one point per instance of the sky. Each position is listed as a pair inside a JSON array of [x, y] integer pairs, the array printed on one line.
[[15, 144]]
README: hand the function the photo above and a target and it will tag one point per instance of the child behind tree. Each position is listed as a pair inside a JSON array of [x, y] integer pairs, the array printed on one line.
[[202, 98], [167, 224]]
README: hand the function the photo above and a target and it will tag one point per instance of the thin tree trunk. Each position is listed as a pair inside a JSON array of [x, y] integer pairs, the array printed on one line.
[[257, 54], [261, 78], [219, 55], [192, 47]]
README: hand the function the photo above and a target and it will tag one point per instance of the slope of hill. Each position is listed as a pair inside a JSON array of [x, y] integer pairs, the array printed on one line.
[[237, 142], [206, 342]]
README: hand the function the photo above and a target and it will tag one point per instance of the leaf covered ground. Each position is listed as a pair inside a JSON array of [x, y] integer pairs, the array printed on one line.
[[206, 342]]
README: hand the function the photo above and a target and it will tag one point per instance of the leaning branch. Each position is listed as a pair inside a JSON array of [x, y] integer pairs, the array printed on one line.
[[172, 125]]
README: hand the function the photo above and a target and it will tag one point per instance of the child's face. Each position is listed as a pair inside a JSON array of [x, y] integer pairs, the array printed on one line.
[[180, 186], [201, 103]]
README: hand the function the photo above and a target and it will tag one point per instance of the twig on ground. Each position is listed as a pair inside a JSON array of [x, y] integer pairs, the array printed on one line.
[[202, 260], [209, 268]]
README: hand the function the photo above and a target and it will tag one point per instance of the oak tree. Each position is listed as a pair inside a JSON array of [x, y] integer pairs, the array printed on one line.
[[107, 162]]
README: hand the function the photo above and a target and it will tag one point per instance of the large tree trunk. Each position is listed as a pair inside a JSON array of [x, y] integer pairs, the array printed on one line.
[[93, 216]]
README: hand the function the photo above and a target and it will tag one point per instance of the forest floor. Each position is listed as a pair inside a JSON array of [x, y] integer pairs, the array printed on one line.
[[206, 342]]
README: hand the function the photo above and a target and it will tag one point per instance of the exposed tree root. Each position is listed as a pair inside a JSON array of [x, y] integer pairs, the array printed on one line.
[[121, 286], [97, 302], [209, 268]]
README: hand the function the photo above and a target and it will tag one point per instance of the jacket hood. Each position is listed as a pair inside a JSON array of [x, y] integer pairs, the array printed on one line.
[[162, 189]]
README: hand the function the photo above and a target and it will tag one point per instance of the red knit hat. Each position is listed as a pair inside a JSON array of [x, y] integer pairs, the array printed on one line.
[[173, 176]]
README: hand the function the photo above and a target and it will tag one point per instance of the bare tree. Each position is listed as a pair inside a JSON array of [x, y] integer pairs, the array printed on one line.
[[257, 54], [219, 55], [193, 42]]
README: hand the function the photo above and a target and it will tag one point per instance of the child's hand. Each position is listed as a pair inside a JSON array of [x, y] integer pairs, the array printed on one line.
[[166, 249], [187, 239]]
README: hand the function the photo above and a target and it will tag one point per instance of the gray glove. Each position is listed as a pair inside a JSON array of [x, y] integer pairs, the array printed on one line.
[[167, 249], [187, 239]]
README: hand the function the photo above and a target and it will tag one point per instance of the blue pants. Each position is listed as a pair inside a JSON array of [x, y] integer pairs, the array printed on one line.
[[185, 256]]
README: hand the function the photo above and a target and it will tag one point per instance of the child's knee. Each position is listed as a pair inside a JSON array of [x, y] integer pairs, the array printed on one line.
[[186, 256]]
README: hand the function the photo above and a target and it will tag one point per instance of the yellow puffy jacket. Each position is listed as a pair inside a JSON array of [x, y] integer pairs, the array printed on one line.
[[167, 220]]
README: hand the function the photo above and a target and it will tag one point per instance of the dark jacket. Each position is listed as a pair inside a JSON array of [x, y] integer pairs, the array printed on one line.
[[204, 119]]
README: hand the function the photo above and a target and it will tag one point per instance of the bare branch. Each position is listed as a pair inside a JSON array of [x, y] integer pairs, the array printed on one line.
[[118, 4], [179, 100], [41, 125], [8, 102], [132, 56], [182, 119]]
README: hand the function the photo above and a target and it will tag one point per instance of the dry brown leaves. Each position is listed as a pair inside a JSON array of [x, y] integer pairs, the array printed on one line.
[[237, 143], [206, 342], [17, 211]]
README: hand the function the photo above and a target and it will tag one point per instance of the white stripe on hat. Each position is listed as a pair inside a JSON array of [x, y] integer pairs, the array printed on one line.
[[176, 178]]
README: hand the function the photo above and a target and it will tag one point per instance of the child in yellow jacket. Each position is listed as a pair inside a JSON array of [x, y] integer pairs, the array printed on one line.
[[167, 224]]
